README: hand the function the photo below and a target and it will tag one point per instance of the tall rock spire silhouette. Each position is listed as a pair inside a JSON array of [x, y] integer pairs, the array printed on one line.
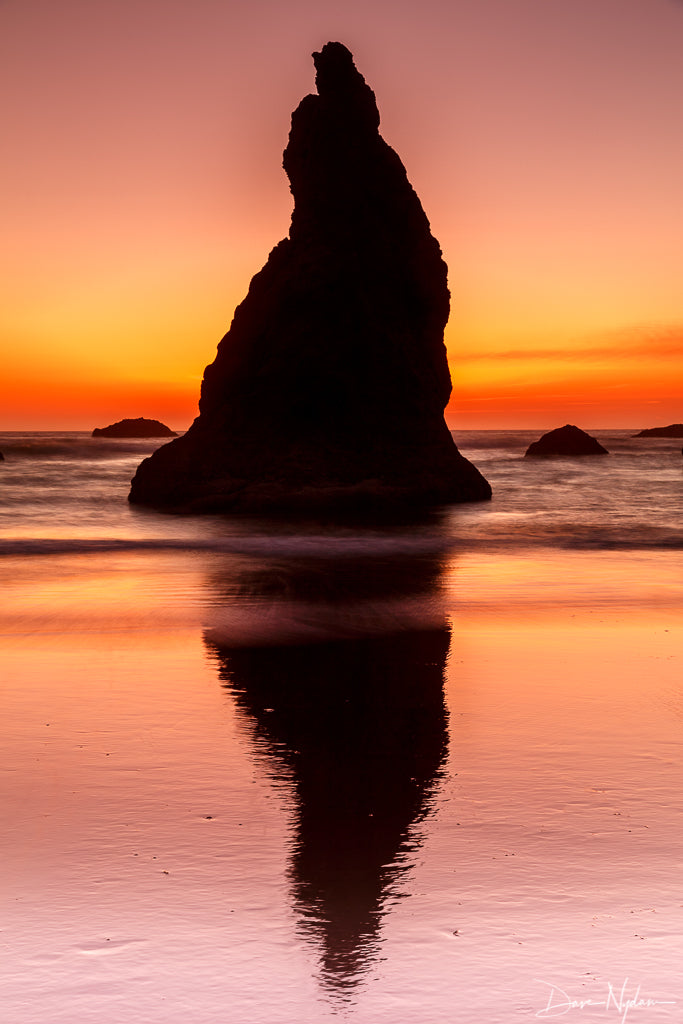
[[328, 390]]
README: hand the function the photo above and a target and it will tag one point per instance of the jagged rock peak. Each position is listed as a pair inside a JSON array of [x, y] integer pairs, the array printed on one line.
[[340, 83], [335, 159]]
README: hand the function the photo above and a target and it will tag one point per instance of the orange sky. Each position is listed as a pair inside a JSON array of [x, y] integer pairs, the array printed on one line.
[[143, 188]]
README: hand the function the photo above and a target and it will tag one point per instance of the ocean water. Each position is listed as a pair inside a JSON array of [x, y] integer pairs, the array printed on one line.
[[259, 770], [67, 492]]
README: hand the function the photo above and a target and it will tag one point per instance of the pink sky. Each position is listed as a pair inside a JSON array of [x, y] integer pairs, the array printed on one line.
[[142, 188]]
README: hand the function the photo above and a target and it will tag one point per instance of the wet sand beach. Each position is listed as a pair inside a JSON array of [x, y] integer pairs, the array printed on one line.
[[457, 804], [275, 771]]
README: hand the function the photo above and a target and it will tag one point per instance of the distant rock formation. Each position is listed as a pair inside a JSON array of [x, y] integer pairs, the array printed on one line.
[[329, 389], [567, 440], [135, 428], [673, 430]]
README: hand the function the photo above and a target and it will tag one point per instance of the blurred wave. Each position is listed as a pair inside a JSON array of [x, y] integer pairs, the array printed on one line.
[[65, 493]]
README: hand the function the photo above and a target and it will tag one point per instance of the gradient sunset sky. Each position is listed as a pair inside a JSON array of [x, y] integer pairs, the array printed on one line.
[[142, 188]]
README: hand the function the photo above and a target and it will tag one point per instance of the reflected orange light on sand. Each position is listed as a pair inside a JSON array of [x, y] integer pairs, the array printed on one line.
[[150, 819], [108, 599]]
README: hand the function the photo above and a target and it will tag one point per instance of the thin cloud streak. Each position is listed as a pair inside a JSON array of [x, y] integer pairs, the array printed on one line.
[[658, 346]]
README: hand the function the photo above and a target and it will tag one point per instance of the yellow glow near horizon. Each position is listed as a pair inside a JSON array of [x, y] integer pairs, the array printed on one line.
[[144, 189]]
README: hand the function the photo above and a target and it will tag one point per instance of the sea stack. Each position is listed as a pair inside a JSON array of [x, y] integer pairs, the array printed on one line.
[[567, 440], [139, 427], [673, 430], [329, 389]]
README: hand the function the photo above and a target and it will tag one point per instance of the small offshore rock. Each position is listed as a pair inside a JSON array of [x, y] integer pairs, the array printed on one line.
[[140, 427], [568, 440], [673, 430]]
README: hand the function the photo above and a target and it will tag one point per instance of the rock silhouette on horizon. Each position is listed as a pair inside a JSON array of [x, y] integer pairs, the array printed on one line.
[[329, 389], [673, 430], [140, 427], [567, 440]]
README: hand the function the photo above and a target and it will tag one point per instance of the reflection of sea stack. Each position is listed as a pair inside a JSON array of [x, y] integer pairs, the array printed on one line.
[[567, 440], [330, 386], [360, 728], [357, 727]]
